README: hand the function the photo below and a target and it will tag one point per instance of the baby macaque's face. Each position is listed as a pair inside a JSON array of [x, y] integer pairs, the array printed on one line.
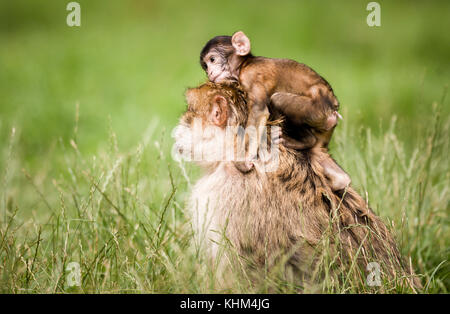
[[217, 66], [222, 56]]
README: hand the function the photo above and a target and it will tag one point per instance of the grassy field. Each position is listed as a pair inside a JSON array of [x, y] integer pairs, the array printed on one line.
[[86, 114]]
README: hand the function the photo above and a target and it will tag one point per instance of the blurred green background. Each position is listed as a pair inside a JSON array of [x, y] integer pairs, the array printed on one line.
[[131, 61]]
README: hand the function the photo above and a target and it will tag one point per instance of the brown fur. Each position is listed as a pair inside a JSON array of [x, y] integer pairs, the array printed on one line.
[[290, 211], [289, 88]]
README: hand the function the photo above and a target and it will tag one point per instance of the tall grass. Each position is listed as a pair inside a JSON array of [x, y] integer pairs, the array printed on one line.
[[121, 216]]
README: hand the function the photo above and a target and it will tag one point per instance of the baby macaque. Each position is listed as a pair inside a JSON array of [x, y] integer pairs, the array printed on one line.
[[290, 88]]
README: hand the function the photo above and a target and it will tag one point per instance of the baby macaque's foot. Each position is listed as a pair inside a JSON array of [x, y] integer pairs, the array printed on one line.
[[244, 166], [337, 177], [340, 181], [332, 120]]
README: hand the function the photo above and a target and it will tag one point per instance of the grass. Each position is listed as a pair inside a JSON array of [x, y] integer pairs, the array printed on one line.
[[87, 175], [129, 233]]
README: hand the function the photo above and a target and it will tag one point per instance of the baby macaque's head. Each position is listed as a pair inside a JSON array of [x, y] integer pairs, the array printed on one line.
[[206, 128], [222, 56]]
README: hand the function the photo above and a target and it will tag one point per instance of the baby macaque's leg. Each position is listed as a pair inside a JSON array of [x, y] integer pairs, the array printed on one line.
[[308, 140], [338, 178], [302, 109]]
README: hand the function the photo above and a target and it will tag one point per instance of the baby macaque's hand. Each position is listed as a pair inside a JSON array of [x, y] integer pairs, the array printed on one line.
[[276, 136], [332, 120], [244, 166]]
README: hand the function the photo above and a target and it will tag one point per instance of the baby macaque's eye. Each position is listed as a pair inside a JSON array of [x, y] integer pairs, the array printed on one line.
[[212, 59]]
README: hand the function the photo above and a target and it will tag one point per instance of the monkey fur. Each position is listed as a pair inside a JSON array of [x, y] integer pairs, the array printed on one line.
[[288, 212], [292, 89]]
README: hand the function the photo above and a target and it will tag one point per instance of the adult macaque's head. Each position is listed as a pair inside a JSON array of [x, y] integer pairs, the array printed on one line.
[[216, 105], [202, 132], [208, 104], [222, 56]]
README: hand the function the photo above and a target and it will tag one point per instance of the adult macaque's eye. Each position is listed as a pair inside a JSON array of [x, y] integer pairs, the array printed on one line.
[[212, 59]]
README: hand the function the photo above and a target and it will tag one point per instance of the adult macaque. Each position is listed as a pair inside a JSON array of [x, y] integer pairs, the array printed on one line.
[[286, 213], [291, 88]]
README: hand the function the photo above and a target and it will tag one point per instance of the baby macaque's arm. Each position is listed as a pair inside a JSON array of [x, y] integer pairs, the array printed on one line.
[[258, 102], [258, 114]]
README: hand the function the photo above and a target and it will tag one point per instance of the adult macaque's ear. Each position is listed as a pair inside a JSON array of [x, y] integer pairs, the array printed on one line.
[[219, 110], [241, 43]]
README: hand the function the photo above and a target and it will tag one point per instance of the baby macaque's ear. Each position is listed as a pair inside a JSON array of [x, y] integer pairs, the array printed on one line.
[[241, 43], [219, 111]]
